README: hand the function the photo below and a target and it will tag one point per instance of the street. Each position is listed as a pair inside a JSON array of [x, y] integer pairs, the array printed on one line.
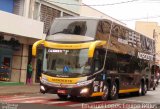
[[50, 101]]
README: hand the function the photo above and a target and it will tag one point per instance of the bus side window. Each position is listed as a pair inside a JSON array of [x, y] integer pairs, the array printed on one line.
[[134, 64], [111, 62], [103, 29], [123, 63]]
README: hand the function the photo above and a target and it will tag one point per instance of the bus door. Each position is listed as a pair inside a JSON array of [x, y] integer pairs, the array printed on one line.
[[97, 64]]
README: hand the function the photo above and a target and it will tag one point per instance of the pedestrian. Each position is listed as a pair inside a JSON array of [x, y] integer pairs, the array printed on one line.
[[29, 73]]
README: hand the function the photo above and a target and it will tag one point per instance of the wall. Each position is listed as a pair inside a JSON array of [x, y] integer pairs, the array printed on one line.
[[18, 25], [20, 60], [72, 8], [146, 28], [150, 29]]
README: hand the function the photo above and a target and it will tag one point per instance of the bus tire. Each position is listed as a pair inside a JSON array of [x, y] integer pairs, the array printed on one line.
[[63, 97], [113, 92], [104, 97], [154, 88], [142, 89]]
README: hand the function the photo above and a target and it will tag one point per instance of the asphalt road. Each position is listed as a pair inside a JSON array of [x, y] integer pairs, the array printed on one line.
[[50, 101]]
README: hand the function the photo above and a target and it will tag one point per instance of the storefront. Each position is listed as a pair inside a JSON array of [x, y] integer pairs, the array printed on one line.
[[5, 63], [7, 47]]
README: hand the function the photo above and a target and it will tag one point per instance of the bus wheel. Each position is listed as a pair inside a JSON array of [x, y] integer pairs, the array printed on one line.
[[63, 97], [113, 93], [144, 91], [143, 88], [154, 88], [106, 92]]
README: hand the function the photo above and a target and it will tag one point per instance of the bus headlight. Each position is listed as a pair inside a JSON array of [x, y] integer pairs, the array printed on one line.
[[84, 91], [42, 88]]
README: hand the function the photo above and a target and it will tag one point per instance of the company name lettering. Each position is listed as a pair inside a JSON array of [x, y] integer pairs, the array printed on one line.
[[62, 80], [145, 56]]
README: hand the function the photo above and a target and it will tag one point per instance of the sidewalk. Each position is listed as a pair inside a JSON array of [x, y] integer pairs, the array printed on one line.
[[19, 89]]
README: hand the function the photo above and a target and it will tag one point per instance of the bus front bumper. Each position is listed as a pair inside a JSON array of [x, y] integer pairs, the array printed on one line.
[[66, 89]]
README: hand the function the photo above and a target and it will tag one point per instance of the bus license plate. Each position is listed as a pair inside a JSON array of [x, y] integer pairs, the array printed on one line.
[[62, 91]]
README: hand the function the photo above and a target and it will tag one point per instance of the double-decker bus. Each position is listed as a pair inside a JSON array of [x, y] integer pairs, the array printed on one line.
[[94, 57]]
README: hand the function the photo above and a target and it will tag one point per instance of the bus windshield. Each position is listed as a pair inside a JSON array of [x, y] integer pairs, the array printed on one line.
[[66, 62], [73, 26]]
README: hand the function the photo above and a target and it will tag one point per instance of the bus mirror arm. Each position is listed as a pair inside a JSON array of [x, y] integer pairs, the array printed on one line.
[[34, 47], [93, 46]]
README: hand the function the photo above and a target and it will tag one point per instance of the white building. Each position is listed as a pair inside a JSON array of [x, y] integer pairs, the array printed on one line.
[[22, 23]]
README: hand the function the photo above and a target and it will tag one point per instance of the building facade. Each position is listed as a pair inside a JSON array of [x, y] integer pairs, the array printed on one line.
[[152, 30], [91, 12], [16, 35], [25, 21], [47, 10], [22, 23]]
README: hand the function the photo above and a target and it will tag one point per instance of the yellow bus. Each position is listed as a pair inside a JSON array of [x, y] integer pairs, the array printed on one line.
[[94, 57]]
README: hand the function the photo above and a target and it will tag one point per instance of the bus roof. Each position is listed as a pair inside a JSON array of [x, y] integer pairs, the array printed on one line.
[[98, 19], [80, 17]]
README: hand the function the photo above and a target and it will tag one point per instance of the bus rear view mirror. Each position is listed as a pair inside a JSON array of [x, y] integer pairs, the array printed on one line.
[[34, 47]]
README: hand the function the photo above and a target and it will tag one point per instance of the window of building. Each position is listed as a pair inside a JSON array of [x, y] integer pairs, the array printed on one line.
[[18, 7], [47, 15], [6, 5]]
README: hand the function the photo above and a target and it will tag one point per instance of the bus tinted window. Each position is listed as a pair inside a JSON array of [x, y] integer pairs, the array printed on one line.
[[111, 61], [82, 27]]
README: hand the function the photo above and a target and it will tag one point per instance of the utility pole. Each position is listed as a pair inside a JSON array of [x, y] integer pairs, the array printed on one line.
[[155, 44]]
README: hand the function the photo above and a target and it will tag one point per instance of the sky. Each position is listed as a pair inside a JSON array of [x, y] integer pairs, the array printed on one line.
[[129, 11]]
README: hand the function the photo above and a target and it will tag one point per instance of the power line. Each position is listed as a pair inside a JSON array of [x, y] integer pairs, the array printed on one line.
[[151, 17], [64, 3]]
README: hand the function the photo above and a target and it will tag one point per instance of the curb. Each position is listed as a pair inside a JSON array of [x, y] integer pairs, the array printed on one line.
[[19, 89]]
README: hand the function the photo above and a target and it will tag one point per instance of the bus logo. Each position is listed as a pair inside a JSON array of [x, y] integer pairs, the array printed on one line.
[[66, 69]]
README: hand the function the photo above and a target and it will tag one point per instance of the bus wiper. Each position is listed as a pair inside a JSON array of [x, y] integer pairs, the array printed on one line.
[[57, 32], [66, 31]]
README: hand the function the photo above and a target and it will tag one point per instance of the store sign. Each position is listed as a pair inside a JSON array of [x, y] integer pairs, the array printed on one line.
[[145, 56], [12, 43]]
